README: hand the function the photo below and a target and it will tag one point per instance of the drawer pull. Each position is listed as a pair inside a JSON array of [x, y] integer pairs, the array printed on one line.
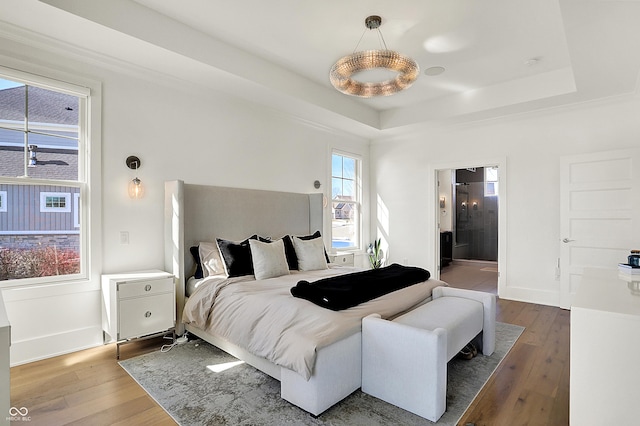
[[147, 314], [147, 287]]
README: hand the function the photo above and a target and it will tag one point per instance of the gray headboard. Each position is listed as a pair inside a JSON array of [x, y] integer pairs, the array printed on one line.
[[195, 213]]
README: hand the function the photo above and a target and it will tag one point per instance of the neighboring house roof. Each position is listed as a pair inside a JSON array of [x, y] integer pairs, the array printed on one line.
[[49, 112], [45, 106], [51, 164]]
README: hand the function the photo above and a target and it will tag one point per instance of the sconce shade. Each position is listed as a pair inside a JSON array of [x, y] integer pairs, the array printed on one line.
[[136, 190]]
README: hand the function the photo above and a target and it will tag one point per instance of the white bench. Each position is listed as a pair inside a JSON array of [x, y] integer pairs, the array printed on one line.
[[404, 361]]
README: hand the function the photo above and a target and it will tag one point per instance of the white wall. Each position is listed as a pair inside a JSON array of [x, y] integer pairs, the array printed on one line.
[[199, 137], [532, 145], [179, 131]]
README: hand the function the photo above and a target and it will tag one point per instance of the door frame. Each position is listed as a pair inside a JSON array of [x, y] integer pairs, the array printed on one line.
[[434, 213]]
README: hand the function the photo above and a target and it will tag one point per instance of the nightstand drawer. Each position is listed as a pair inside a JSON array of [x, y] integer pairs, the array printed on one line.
[[342, 259], [145, 315], [145, 287]]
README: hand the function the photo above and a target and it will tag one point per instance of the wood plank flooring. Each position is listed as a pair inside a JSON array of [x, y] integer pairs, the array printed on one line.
[[530, 387], [86, 388]]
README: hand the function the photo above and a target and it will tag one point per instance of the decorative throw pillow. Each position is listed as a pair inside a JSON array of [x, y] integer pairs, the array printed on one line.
[[196, 258], [268, 259], [290, 251], [236, 256], [310, 253], [210, 258]]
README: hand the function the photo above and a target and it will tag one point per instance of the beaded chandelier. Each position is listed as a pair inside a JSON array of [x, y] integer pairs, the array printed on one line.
[[341, 72]]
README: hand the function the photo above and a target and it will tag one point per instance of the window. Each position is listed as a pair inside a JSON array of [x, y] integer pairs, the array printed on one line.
[[345, 206], [490, 181], [55, 202], [43, 169]]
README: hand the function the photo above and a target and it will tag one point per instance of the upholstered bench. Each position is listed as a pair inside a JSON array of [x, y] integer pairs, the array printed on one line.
[[404, 361]]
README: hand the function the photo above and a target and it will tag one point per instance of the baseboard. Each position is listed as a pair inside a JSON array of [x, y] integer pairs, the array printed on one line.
[[42, 347], [540, 297], [476, 263]]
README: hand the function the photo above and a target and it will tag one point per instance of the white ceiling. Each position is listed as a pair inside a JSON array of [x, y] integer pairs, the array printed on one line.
[[279, 52]]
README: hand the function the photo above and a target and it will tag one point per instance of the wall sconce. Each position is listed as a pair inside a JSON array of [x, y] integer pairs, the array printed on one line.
[[136, 190], [442, 202], [475, 205]]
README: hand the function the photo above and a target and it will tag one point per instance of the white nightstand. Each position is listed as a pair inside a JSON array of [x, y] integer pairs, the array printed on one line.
[[137, 305], [345, 259]]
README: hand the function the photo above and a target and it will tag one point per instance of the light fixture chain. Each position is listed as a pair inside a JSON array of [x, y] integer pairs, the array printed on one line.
[[358, 44], [384, 43]]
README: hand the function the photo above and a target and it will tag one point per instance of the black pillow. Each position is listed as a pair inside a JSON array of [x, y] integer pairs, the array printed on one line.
[[195, 252], [290, 252], [237, 256]]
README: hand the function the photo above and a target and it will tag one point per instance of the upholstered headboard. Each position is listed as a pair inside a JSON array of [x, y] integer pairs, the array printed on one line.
[[195, 213]]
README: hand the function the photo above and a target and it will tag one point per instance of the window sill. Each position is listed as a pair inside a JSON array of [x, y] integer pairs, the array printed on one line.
[[39, 290]]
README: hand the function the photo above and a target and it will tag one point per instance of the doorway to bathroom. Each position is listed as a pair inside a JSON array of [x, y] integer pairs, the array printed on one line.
[[469, 213]]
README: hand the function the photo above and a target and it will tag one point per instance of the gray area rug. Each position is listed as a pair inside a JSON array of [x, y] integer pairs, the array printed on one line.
[[184, 383]]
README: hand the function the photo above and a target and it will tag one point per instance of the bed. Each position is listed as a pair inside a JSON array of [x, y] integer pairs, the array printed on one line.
[[325, 365]]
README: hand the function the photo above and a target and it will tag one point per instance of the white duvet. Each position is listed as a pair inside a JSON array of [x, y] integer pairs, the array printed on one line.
[[265, 319]]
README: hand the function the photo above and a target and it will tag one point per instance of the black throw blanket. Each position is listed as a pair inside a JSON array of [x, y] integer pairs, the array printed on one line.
[[345, 291]]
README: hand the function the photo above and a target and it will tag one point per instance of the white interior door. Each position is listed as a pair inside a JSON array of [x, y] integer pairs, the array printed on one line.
[[599, 214]]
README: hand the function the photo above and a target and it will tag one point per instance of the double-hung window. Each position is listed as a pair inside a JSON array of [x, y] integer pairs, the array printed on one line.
[[43, 179], [345, 202]]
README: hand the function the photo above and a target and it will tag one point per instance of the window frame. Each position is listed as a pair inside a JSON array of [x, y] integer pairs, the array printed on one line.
[[495, 183], [52, 209], [3, 201], [88, 170], [357, 203], [76, 210]]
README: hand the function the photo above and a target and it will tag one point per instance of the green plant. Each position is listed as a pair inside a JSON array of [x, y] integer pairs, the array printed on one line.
[[375, 254]]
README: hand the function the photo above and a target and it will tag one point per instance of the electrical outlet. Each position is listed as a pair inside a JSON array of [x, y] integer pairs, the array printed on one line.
[[124, 237]]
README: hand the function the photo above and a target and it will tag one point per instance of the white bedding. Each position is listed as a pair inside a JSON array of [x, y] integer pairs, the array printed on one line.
[[193, 283], [265, 319]]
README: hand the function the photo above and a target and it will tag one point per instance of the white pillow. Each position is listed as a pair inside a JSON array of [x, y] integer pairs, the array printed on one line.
[[310, 254], [268, 259], [212, 263]]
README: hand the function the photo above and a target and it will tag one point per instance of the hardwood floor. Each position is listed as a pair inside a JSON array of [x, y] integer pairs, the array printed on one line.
[[86, 388], [530, 387]]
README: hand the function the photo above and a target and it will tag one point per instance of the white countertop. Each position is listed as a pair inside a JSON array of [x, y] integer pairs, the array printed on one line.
[[609, 293]]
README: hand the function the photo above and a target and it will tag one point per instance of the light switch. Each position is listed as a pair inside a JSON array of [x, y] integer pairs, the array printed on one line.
[[124, 237]]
